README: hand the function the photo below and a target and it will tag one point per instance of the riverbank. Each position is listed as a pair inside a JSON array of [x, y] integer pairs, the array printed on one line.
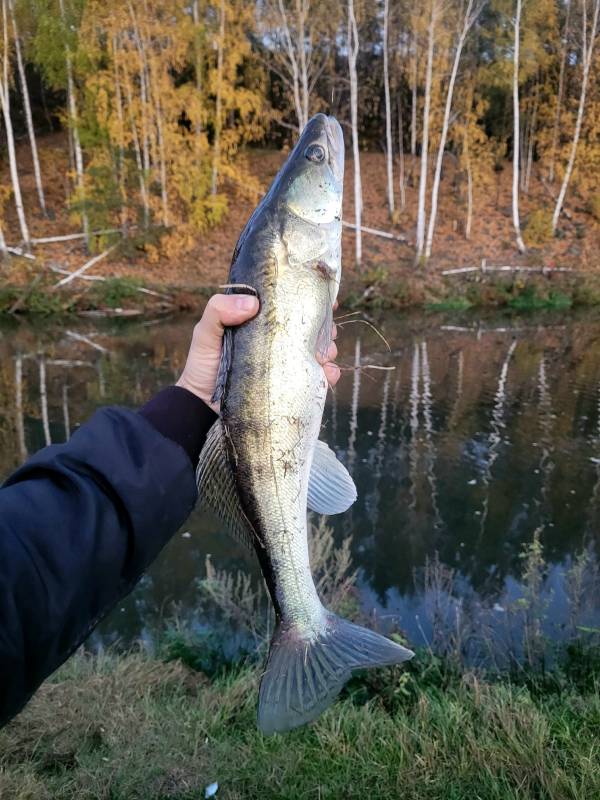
[[554, 272], [129, 726], [27, 289]]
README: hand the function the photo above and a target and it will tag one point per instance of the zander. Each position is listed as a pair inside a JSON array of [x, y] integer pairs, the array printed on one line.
[[263, 464]]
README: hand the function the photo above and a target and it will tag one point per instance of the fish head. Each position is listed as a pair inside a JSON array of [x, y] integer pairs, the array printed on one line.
[[313, 176]]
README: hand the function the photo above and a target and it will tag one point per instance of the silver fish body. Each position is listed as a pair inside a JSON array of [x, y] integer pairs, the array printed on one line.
[[272, 391]]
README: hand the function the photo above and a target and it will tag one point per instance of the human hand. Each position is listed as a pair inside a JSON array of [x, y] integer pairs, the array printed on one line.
[[199, 375]]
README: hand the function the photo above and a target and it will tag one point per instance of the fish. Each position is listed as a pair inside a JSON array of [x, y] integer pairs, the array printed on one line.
[[263, 465]]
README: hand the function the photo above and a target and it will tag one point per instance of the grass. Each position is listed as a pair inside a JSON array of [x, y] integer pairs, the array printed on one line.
[[450, 304], [131, 727]]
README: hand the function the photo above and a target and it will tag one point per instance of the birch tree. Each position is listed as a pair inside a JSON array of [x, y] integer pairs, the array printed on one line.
[[389, 153], [516, 130], [297, 35], [218, 100], [74, 124], [589, 31], [420, 235], [27, 109], [560, 90], [10, 139], [353, 45], [470, 15]]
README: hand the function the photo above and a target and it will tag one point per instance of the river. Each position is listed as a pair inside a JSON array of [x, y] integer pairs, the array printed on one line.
[[486, 431]]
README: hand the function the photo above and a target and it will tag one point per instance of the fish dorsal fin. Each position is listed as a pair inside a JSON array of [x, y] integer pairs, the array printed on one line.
[[331, 490], [217, 489]]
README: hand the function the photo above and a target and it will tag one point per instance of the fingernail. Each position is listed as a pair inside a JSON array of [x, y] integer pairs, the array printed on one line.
[[245, 302]]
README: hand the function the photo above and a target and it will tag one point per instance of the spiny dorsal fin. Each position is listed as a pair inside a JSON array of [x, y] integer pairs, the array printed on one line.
[[331, 490], [217, 489]]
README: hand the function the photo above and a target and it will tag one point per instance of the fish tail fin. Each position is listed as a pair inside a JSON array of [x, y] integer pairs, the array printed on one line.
[[304, 675]]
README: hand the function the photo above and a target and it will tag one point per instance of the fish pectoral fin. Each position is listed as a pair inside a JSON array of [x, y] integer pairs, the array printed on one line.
[[224, 365], [217, 489], [304, 675], [331, 490]]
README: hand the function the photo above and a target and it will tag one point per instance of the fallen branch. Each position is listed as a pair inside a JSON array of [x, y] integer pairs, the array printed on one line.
[[142, 289], [84, 268], [80, 338], [61, 271], [113, 312], [485, 268], [17, 251], [69, 237], [68, 362], [376, 232]]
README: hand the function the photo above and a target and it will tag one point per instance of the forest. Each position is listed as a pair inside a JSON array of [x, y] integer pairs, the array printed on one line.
[[141, 134]]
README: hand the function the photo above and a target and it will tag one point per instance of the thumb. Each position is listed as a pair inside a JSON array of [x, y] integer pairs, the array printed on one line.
[[223, 310]]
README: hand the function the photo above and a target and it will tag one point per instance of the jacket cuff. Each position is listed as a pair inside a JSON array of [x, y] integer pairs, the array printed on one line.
[[182, 417]]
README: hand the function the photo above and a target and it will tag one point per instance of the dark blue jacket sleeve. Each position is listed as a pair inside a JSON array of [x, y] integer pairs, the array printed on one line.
[[79, 523]]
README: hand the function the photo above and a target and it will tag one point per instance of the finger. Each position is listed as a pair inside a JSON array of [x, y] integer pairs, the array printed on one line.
[[336, 305], [223, 310], [332, 373], [330, 355], [334, 331]]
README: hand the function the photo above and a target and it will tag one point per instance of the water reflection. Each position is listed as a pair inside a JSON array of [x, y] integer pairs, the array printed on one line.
[[479, 436]]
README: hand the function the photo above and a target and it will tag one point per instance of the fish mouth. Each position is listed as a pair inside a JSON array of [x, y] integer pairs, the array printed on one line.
[[335, 146]]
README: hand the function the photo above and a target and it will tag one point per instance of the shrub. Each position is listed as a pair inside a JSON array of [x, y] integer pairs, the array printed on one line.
[[538, 229]]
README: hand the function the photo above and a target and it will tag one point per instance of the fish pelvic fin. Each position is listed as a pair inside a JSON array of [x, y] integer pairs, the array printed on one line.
[[304, 675]]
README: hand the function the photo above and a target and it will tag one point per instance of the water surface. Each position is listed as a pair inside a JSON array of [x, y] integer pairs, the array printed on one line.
[[486, 431]]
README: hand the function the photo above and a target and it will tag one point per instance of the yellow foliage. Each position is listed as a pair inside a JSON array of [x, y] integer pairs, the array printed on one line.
[[153, 125]]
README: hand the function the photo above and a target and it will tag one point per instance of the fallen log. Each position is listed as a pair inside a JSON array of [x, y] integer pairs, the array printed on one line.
[[142, 289], [72, 275], [517, 268]]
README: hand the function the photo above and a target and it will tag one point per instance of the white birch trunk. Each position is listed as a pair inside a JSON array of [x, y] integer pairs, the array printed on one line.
[[302, 9], [402, 172], [293, 66], [3, 250], [10, 139], [531, 140], [19, 415], [587, 51], [66, 415], [414, 100], [516, 140], [138, 156], [468, 21], [78, 153], [44, 399], [388, 109], [198, 60], [27, 108], [353, 44], [559, 94], [420, 236], [218, 101], [120, 151], [469, 221]]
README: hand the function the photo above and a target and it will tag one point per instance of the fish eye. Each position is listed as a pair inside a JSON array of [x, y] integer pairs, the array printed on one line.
[[314, 152]]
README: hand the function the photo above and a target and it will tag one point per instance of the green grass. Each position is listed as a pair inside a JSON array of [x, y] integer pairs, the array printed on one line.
[[450, 304], [131, 727], [530, 300]]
